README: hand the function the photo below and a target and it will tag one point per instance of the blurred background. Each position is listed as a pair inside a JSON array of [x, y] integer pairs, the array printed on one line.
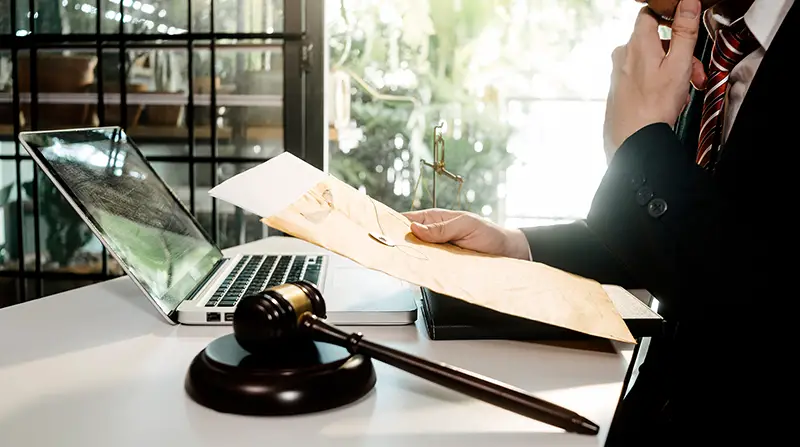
[[209, 88]]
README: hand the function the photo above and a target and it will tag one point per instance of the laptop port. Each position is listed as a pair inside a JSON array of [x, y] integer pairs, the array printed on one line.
[[229, 316], [212, 317]]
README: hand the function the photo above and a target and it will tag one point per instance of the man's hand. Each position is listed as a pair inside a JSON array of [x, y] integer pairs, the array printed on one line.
[[468, 231], [650, 84]]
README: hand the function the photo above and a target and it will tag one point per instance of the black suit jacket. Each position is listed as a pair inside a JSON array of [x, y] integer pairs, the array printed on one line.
[[708, 245]]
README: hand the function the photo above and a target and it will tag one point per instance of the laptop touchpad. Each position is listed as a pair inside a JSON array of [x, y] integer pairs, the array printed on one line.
[[356, 288]]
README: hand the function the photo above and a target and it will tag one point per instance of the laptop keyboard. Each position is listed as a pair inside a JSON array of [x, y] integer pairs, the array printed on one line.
[[255, 273]]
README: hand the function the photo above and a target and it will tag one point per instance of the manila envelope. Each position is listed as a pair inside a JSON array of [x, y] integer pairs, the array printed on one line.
[[298, 199]]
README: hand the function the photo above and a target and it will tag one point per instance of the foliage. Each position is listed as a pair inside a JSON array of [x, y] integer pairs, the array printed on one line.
[[431, 59], [66, 231], [396, 135]]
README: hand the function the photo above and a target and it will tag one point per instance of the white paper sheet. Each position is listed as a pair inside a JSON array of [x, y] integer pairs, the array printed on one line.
[[271, 186]]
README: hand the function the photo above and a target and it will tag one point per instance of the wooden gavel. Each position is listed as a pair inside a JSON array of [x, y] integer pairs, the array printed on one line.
[[295, 311]]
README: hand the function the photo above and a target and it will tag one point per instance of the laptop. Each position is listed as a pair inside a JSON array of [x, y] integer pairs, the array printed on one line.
[[162, 247]]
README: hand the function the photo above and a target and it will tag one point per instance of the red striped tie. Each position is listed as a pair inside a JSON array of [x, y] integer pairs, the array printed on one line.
[[730, 47]]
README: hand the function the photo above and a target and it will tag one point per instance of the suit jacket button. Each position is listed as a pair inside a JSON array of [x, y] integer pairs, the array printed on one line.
[[643, 195], [657, 207], [637, 181]]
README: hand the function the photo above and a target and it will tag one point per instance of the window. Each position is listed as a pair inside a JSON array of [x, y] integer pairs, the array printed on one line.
[[519, 84], [515, 90], [200, 85]]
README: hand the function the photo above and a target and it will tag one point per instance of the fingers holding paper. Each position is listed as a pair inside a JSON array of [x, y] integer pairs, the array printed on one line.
[[441, 226], [469, 231]]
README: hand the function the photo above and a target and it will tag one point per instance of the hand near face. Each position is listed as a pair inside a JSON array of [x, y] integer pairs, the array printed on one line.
[[650, 84], [666, 8]]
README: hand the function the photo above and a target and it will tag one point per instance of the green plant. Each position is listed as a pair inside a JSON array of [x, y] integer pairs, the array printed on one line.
[[66, 232], [430, 47]]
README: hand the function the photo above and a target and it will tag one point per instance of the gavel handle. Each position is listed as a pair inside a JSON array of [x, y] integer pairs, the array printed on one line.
[[478, 387]]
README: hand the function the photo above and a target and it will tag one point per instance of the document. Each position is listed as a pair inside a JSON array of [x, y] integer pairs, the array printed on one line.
[[294, 197]]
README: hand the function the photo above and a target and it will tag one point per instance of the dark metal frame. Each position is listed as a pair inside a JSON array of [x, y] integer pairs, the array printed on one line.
[[305, 131]]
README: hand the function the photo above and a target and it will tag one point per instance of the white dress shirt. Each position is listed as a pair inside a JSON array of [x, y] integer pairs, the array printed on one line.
[[763, 20]]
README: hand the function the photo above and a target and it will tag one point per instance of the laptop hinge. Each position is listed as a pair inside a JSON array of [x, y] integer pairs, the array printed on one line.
[[197, 288]]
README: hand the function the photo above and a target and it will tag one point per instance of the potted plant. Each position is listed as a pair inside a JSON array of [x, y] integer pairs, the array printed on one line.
[[264, 77], [111, 84], [167, 70], [56, 71], [66, 232]]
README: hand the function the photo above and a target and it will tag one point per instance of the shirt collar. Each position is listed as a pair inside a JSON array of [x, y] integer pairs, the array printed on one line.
[[763, 17]]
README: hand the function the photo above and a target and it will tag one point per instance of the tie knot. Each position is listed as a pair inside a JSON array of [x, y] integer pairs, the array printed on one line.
[[731, 45]]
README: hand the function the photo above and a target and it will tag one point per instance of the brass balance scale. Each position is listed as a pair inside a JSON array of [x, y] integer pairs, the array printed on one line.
[[438, 169]]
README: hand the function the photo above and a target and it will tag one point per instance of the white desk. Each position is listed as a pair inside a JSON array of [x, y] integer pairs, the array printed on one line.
[[98, 367]]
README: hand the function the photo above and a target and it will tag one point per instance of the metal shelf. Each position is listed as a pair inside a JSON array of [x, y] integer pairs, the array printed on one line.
[[35, 40], [166, 99], [172, 134]]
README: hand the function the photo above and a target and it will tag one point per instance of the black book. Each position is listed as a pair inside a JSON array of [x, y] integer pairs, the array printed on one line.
[[447, 318]]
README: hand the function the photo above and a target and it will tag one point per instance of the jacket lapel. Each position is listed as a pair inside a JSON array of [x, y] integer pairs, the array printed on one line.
[[772, 86]]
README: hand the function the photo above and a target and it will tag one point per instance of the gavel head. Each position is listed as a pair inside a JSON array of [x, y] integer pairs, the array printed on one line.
[[273, 316]]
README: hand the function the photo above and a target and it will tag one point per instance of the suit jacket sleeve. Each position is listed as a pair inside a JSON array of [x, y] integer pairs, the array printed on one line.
[[575, 248], [664, 220]]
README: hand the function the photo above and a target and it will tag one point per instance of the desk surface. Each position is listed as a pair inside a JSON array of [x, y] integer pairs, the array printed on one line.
[[98, 367]]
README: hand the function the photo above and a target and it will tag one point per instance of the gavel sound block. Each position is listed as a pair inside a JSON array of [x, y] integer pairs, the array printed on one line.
[[283, 372], [303, 378], [282, 359]]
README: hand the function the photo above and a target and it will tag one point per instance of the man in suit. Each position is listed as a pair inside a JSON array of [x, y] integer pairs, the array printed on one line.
[[688, 209]]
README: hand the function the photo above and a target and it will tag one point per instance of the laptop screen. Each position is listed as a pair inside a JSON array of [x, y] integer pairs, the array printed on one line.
[[130, 208]]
